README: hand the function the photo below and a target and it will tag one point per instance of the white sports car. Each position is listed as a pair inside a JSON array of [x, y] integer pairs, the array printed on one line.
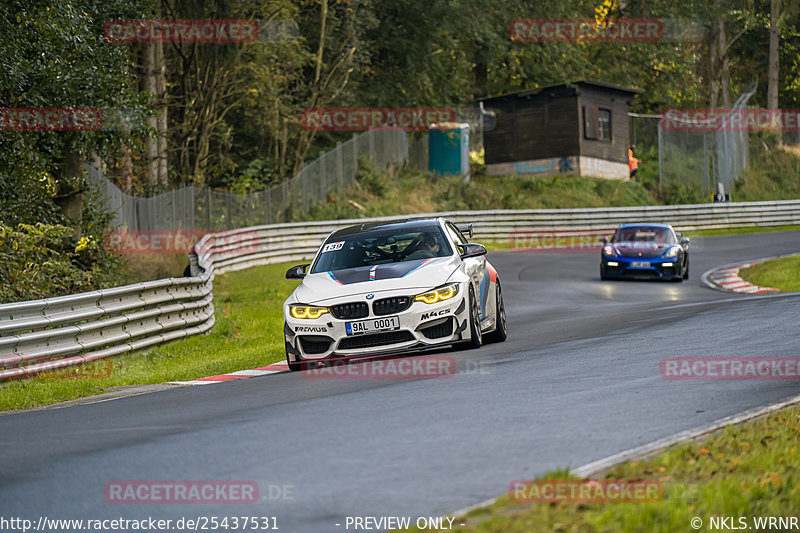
[[392, 287]]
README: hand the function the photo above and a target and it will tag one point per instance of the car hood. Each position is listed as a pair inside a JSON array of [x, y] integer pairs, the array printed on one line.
[[641, 249], [421, 274]]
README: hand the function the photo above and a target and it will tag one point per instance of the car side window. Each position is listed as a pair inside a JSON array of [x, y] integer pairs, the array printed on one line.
[[456, 235]]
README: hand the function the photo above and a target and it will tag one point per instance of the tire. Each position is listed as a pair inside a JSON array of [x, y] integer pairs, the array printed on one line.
[[476, 337], [686, 272], [294, 367], [500, 332]]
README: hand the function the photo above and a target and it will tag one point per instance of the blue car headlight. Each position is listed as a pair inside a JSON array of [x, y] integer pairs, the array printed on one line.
[[672, 251]]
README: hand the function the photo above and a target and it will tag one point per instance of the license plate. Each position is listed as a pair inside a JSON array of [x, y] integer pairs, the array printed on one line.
[[373, 325], [640, 264]]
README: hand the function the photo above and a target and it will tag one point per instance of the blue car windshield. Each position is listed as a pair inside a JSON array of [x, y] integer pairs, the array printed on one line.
[[380, 247], [644, 234]]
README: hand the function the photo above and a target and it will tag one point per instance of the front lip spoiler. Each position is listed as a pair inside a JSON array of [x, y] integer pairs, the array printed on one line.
[[418, 346]]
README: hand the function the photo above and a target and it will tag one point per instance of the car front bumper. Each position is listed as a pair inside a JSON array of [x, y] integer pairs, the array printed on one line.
[[657, 267], [421, 326]]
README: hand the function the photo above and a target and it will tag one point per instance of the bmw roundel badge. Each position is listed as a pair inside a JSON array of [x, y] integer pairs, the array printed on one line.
[[370, 296]]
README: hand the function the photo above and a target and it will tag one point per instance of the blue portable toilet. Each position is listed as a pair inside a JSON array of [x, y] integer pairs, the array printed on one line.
[[448, 148]]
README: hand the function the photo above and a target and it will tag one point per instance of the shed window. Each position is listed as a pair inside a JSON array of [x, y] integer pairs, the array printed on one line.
[[597, 123], [604, 124]]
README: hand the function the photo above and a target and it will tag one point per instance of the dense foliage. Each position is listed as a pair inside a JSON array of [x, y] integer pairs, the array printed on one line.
[[228, 115]]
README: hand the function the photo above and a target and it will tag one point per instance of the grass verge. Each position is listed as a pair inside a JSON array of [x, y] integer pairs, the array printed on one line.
[[782, 273], [747, 471], [248, 333]]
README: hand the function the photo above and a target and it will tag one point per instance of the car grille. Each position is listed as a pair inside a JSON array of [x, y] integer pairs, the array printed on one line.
[[640, 272], [388, 306], [350, 310], [445, 329], [376, 339], [315, 345]]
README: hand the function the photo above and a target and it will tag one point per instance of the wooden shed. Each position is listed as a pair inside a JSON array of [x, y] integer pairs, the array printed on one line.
[[578, 129]]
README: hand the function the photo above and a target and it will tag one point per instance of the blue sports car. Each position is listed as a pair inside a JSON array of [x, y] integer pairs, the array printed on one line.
[[649, 251]]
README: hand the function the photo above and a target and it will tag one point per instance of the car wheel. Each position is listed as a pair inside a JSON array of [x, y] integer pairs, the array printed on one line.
[[294, 367], [476, 337], [686, 272], [500, 332]]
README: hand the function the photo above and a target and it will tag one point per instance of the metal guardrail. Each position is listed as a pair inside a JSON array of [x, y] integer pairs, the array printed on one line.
[[59, 332]]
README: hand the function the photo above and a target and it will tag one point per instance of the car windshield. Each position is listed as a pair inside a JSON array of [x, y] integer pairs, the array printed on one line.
[[644, 234], [380, 247]]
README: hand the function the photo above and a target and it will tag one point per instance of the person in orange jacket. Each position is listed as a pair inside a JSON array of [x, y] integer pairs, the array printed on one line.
[[633, 163]]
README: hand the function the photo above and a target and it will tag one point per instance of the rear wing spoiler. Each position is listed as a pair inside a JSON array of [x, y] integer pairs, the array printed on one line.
[[465, 229]]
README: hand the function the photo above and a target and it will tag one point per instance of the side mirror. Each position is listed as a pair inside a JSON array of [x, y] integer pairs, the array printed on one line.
[[466, 228], [604, 240], [297, 272], [472, 249]]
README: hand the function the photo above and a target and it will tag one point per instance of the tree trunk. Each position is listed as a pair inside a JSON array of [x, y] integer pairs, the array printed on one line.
[[724, 63], [151, 140], [123, 169], [774, 40], [161, 102]]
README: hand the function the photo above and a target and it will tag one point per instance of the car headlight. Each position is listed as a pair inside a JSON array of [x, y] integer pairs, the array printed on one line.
[[672, 252], [307, 311], [609, 250], [438, 295]]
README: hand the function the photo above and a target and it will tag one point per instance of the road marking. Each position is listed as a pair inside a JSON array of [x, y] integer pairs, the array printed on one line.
[[658, 446], [726, 278], [235, 376]]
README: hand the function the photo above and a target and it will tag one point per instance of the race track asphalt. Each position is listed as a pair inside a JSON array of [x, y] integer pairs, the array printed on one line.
[[577, 380]]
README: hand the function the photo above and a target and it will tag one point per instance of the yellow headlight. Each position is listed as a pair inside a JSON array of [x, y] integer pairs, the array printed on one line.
[[306, 311], [438, 295]]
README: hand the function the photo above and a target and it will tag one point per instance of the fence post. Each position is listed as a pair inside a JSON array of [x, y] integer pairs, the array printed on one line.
[[371, 135], [269, 205], [339, 167], [285, 200], [208, 209], [660, 160], [355, 158], [228, 204], [323, 175]]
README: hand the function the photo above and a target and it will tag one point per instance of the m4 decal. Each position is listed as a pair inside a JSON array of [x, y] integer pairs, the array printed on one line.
[[434, 314]]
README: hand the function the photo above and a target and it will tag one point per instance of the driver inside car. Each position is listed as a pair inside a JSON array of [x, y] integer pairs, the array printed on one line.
[[428, 247]]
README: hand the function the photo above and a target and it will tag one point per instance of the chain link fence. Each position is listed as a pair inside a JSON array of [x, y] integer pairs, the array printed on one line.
[[201, 208], [693, 157]]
